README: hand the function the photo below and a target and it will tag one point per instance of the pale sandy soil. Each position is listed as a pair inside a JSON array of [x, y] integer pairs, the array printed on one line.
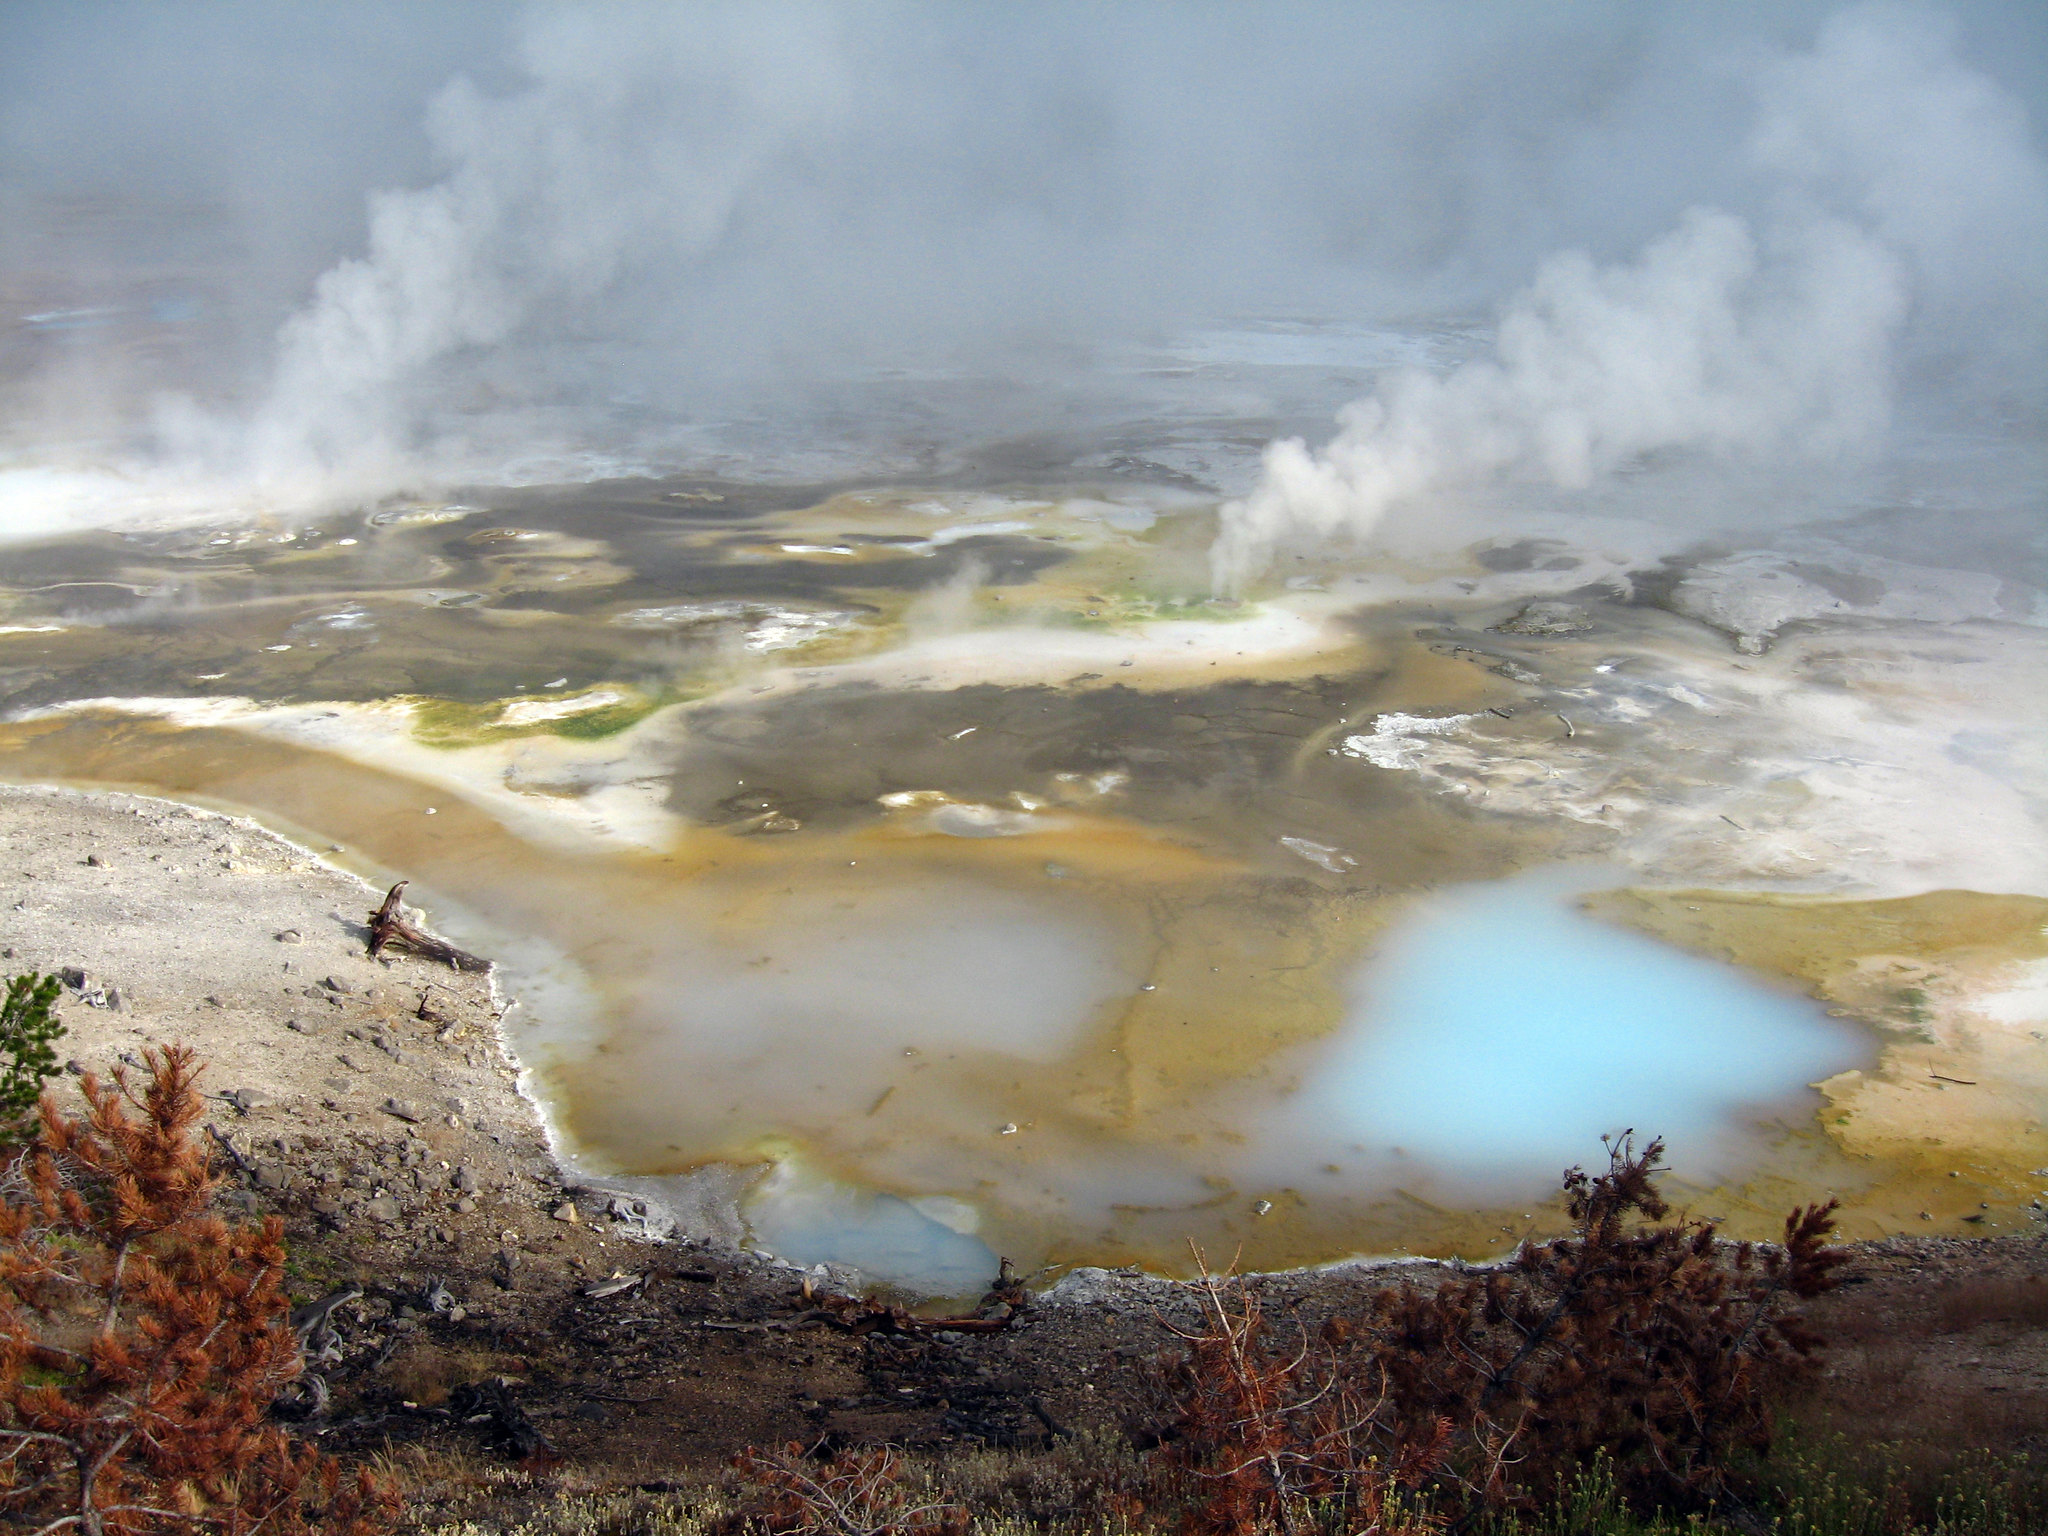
[[208, 930]]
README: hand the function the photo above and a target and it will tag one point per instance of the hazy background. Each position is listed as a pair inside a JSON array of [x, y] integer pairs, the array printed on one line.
[[323, 251]]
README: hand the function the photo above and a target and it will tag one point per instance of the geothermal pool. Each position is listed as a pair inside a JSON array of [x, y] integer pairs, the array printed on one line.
[[912, 877]]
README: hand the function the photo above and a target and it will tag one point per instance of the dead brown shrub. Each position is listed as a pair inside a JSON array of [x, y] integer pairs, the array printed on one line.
[[1646, 1342], [142, 1339], [1268, 1431], [857, 1491]]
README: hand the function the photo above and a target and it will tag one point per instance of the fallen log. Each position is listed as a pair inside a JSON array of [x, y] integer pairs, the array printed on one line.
[[390, 930]]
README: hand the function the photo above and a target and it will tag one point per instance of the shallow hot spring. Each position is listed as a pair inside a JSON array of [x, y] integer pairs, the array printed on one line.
[[946, 1063], [1501, 1028]]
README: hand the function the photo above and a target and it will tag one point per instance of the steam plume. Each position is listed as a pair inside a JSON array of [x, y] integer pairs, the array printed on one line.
[[1718, 337], [633, 142]]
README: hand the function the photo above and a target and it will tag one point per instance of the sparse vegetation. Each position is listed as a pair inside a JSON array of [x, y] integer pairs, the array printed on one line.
[[1807, 1494], [1648, 1344], [1642, 1348], [854, 1491], [1271, 1434]]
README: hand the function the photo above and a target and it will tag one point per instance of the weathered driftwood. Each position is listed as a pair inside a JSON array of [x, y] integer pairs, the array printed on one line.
[[390, 930]]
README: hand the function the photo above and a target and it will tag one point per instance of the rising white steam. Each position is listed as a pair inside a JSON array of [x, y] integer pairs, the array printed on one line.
[[639, 132], [1722, 336]]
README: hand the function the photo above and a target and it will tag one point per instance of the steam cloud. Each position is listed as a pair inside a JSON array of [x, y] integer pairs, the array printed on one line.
[[1885, 154], [715, 213], [633, 142]]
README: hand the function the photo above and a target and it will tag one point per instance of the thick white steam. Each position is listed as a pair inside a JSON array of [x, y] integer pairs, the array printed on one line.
[[632, 143], [1723, 336]]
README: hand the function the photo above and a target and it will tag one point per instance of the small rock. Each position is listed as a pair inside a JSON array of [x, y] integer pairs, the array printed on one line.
[[96, 861], [402, 1110], [466, 1205], [382, 1208], [290, 936], [213, 1000], [1547, 619], [72, 977], [299, 1026], [335, 984], [245, 1099], [272, 1176], [465, 1180], [567, 1211]]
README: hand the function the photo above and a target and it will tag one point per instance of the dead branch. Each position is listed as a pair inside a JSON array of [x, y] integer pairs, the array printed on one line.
[[390, 930]]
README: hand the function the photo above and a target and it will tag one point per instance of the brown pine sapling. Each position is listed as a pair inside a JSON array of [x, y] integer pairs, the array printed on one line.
[[143, 1339], [1651, 1343]]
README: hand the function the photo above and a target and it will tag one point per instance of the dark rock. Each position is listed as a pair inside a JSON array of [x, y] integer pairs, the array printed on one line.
[[504, 1425], [1548, 618]]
